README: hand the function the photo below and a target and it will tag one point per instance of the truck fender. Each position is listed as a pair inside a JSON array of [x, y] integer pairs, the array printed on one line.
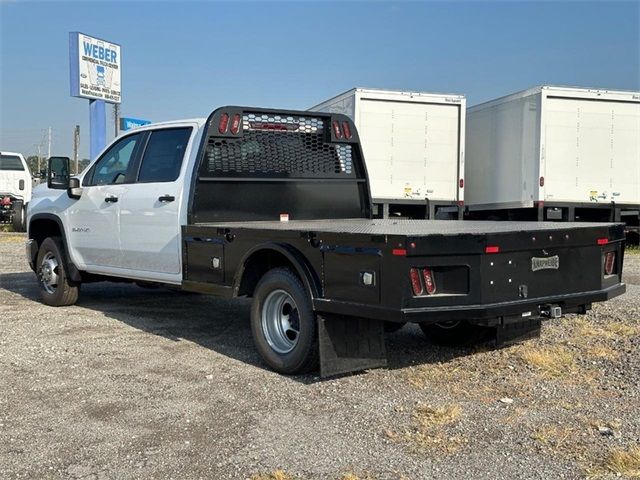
[[293, 256], [74, 273]]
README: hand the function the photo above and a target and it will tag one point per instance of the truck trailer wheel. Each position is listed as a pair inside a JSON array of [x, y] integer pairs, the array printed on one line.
[[19, 216], [283, 324], [55, 288], [455, 333]]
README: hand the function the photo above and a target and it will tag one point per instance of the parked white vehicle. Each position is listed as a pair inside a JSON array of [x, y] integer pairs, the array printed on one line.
[[562, 153], [15, 189], [413, 145]]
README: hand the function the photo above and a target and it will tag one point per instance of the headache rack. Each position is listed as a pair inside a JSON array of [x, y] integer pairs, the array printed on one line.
[[308, 165]]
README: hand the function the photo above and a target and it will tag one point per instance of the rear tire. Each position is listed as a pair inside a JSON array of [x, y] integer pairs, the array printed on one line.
[[283, 324], [19, 216], [455, 333], [55, 287]]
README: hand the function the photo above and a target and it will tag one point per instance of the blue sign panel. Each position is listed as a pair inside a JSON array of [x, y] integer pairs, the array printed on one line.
[[129, 123]]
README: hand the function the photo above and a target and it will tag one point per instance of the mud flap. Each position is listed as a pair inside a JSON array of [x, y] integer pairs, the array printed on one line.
[[350, 344], [510, 333]]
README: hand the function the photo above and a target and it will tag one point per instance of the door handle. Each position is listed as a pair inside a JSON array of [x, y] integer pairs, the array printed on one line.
[[111, 199], [166, 198]]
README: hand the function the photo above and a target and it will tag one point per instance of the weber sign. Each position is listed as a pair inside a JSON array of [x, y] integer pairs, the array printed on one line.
[[95, 68]]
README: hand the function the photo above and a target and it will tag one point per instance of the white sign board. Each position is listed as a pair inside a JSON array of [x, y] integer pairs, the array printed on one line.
[[95, 67]]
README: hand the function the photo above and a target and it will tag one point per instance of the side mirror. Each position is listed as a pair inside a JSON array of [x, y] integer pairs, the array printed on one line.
[[74, 190], [58, 173]]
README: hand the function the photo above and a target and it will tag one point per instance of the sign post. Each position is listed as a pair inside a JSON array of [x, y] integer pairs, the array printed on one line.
[[95, 67]]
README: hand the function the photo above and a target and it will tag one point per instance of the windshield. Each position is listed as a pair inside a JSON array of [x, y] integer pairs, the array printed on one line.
[[11, 162]]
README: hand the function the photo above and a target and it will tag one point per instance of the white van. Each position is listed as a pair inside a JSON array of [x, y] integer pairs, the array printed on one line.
[[15, 189]]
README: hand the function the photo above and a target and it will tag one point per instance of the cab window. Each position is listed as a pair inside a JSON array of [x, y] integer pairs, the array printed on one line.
[[114, 165], [163, 155]]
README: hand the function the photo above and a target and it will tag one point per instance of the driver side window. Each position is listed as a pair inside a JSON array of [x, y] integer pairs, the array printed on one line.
[[113, 166]]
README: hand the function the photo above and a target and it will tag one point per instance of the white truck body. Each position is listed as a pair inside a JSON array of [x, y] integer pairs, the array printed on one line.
[[15, 177], [413, 142], [554, 145], [136, 237]]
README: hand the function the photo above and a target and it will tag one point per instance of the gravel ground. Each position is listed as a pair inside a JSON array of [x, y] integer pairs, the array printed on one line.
[[134, 383]]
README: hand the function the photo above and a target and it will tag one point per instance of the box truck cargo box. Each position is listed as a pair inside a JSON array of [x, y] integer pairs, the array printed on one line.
[[568, 152], [413, 146]]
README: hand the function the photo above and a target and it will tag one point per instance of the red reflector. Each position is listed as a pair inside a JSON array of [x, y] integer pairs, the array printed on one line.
[[461, 183], [603, 241], [429, 281], [336, 129], [416, 285], [224, 123], [235, 124], [461, 203], [399, 252], [609, 262], [492, 249], [347, 130], [542, 181]]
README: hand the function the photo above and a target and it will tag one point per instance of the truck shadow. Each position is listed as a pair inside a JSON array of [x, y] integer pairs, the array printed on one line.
[[218, 324]]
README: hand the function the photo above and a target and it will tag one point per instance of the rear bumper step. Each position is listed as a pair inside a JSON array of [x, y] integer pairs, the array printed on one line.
[[466, 312]]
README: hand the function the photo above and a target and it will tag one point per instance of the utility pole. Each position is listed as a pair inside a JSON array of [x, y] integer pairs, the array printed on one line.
[[116, 117], [76, 145], [49, 151]]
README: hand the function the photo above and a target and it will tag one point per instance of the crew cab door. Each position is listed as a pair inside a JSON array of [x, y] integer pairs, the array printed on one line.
[[94, 218], [150, 212]]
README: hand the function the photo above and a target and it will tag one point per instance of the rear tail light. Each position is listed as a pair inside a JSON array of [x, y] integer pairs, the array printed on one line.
[[347, 130], [492, 249], [603, 241], [423, 282], [336, 129], [461, 183], [609, 263], [429, 281], [5, 201], [416, 284], [235, 124], [224, 123]]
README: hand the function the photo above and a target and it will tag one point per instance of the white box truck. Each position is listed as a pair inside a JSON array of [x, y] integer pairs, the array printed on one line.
[[413, 147], [555, 153]]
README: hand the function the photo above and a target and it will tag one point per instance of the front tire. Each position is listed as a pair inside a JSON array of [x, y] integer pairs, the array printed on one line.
[[283, 324], [455, 333], [55, 287]]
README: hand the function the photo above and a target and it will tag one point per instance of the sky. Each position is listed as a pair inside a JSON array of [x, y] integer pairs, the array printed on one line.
[[184, 59]]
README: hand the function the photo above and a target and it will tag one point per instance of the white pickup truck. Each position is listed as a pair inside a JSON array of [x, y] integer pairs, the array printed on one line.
[[275, 205], [15, 189]]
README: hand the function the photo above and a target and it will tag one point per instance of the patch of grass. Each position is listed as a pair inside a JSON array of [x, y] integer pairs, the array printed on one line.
[[556, 361], [427, 416], [620, 329], [12, 239], [601, 352], [620, 462], [353, 476], [275, 475], [5, 227], [431, 429], [552, 436]]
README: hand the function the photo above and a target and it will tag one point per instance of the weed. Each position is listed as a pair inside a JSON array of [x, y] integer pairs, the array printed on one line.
[[554, 361]]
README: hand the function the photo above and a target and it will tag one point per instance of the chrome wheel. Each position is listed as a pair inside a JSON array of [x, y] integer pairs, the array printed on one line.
[[48, 272], [280, 321]]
